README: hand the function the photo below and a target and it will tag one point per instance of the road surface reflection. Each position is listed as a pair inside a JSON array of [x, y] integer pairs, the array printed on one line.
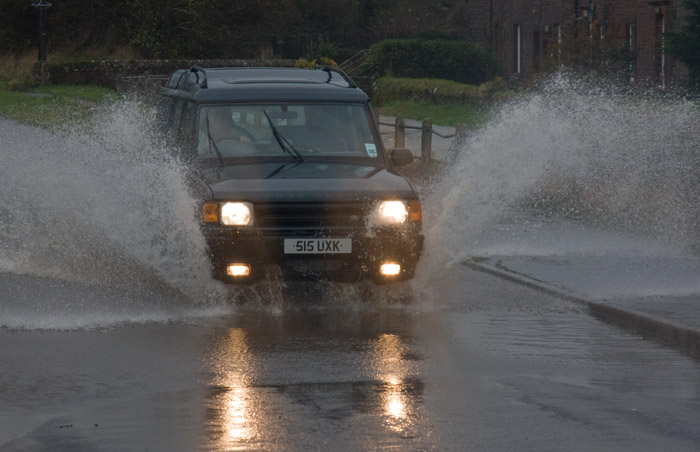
[[231, 406], [399, 392], [277, 381]]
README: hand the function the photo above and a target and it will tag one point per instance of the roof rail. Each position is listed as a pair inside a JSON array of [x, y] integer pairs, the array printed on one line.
[[330, 71], [197, 70]]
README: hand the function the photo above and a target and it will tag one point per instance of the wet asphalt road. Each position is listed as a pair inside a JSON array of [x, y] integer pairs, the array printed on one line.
[[475, 364]]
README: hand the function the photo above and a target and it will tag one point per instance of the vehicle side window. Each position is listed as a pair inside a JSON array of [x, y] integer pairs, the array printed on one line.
[[186, 128], [176, 115], [164, 115], [180, 123]]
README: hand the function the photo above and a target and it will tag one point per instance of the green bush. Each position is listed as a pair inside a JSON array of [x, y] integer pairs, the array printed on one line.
[[431, 34], [303, 63], [463, 62], [323, 49]]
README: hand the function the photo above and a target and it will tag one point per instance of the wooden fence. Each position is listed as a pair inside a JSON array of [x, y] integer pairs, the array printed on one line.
[[427, 132]]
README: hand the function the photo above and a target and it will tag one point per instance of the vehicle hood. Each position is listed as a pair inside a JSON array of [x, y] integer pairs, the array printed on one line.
[[307, 182]]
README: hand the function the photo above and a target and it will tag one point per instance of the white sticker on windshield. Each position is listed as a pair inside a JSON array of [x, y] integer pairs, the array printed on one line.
[[371, 149]]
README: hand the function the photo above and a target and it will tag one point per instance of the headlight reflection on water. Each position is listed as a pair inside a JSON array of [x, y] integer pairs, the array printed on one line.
[[236, 415], [399, 389], [394, 400], [263, 401], [232, 412]]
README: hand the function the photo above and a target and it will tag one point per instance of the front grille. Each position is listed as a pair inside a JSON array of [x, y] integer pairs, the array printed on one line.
[[310, 215]]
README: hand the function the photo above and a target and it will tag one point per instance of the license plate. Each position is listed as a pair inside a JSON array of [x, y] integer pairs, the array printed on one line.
[[317, 246]]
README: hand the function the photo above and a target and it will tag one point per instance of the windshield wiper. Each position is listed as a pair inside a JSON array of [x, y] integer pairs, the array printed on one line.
[[283, 168], [212, 143], [283, 142]]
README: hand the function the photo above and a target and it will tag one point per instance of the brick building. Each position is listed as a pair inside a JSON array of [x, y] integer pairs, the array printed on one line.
[[523, 32]]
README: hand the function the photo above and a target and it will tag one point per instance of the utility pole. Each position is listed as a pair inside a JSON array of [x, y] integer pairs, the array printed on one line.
[[42, 5]]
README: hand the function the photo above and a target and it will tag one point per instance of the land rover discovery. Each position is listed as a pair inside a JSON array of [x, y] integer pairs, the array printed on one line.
[[292, 172]]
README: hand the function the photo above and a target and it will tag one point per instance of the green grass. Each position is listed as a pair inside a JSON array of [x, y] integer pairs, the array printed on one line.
[[471, 115], [52, 105], [446, 102]]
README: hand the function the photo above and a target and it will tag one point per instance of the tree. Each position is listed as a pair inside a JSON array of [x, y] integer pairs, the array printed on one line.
[[685, 44], [217, 28], [407, 17], [17, 26]]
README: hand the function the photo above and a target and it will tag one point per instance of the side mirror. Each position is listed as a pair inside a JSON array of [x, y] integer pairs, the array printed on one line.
[[401, 156]]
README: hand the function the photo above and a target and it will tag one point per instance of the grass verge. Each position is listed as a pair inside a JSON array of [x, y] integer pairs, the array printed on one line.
[[471, 115], [446, 102], [52, 105]]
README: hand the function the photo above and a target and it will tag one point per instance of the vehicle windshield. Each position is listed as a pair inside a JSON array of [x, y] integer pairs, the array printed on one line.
[[290, 131]]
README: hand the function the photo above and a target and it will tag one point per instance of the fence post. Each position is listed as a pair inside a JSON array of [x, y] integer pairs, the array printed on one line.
[[426, 140], [400, 133]]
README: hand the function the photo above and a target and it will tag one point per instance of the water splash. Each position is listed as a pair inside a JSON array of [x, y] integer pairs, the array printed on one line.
[[592, 153], [101, 204], [99, 218], [98, 227]]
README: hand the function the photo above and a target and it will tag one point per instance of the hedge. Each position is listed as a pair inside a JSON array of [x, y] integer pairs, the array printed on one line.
[[114, 73], [387, 89], [463, 62]]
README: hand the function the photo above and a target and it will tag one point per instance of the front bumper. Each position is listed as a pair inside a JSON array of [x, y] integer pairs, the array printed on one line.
[[261, 248]]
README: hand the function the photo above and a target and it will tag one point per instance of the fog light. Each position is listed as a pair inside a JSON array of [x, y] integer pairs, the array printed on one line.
[[390, 269], [238, 270]]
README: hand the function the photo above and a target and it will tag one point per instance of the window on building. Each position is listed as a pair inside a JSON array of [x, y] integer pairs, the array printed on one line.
[[495, 35], [517, 49], [631, 35], [559, 40], [660, 54]]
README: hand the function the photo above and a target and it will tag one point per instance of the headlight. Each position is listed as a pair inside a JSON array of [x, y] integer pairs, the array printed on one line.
[[236, 213], [228, 213], [392, 212]]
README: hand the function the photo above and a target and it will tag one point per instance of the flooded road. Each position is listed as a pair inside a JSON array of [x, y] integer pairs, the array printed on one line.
[[114, 337], [477, 364]]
